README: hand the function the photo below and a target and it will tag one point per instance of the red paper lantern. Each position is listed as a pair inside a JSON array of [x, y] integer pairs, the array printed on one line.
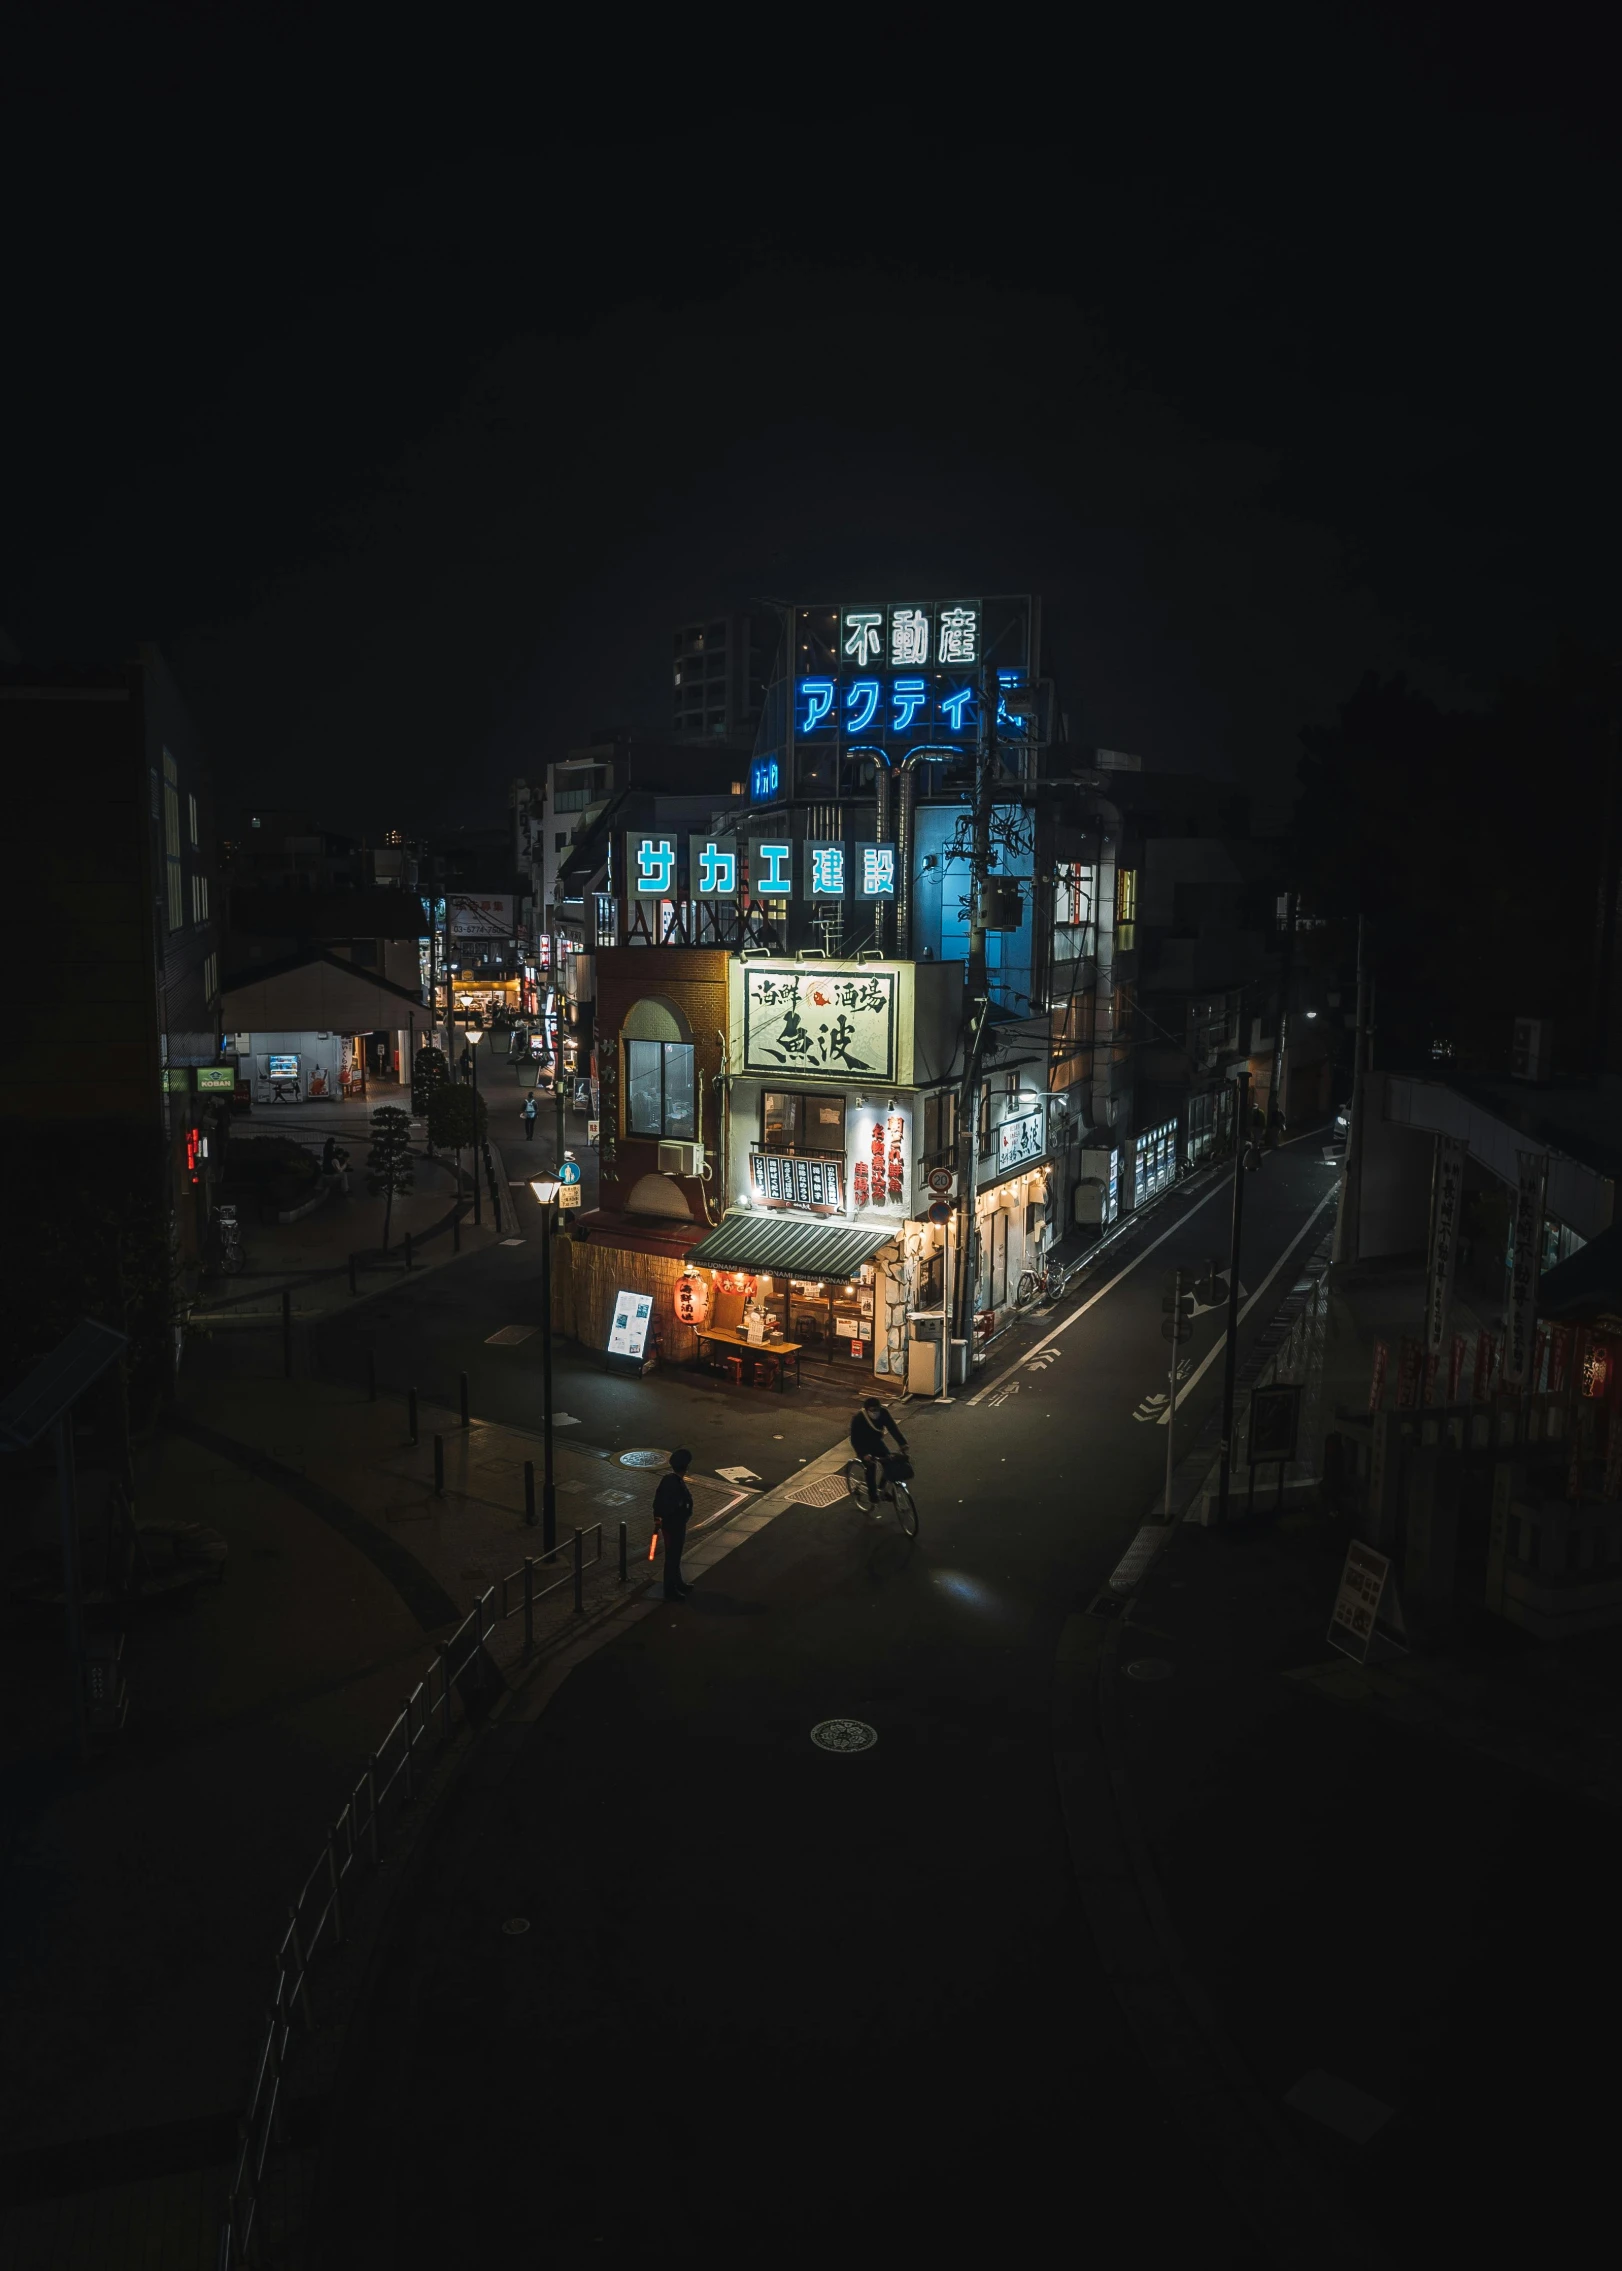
[[692, 1300]]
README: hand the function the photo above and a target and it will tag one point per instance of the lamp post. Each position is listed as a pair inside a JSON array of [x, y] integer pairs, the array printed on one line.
[[475, 1034], [547, 1193]]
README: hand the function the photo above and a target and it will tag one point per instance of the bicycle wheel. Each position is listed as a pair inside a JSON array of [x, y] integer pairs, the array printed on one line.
[[906, 1513], [856, 1484], [1026, 1288]]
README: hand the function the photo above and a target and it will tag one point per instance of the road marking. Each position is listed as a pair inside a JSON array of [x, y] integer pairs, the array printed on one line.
[[1220, 1342], [1094, 1298]]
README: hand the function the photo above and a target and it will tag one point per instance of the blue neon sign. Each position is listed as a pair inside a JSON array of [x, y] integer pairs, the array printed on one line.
[[764, 779]]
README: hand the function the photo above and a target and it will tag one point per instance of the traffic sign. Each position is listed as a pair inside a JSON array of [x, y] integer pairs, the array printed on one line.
[[1182, 1303], [940, 1181], [568, 1181], [1176, 1329], [940, 1212]]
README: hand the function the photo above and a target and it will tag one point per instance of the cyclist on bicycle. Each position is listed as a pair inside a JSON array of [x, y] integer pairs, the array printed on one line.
[[867, 1432]]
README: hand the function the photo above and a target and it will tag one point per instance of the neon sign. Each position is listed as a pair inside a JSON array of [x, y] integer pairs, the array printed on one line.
[[914, 703], [764, 777]]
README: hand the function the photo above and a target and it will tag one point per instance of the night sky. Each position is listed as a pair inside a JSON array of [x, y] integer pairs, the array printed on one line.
[[412, 431]]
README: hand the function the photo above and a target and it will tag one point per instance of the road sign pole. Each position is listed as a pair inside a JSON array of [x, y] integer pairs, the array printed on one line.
[[1171, 1401], [549, 1489]]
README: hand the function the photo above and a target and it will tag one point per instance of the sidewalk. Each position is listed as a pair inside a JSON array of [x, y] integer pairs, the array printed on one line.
[[1333, 1897], [145, 1895]]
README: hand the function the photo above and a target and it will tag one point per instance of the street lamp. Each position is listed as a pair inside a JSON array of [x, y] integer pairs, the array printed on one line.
[[547, 1192], [475, 1034]]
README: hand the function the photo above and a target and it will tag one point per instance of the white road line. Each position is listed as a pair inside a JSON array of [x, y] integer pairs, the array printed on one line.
[[1215, 1350], [1093, 1298]]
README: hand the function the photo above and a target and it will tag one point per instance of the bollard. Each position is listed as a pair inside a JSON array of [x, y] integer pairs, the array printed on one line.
[[624, 1555], [464, 1398], [411, 1409], [529, 1493], [287, 1333], [529, 1602], [579, 1574], [408, 1249], [439, 1466], [371, 1375], [353, 1287]]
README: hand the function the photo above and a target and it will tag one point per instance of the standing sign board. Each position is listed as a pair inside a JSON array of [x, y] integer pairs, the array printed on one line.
[[630, 1323], [1366, 1609]]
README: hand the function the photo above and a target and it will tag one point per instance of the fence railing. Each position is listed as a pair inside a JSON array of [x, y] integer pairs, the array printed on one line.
[[316, 1919]]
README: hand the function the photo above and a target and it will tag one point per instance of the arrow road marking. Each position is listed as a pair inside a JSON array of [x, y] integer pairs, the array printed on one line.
[[1218, 1344]]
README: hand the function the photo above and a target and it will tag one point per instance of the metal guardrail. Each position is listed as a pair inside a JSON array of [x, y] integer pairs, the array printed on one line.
[[316, 1919]]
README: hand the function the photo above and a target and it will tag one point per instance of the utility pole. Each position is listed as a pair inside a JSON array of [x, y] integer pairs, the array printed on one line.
[[549, 1488], [978, 1005], [1275, 1094], [1348, 1224], [1230, 1357]]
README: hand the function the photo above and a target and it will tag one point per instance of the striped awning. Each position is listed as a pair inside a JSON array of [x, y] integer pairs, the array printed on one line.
[[776, 1245]]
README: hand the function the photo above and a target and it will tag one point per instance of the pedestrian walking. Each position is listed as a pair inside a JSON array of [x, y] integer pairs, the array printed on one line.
[[528, 1116], [672, 1510], [465, 1064]]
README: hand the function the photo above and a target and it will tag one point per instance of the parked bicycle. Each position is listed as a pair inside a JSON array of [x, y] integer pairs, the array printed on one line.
[[895, 1487], [1045, 1284]]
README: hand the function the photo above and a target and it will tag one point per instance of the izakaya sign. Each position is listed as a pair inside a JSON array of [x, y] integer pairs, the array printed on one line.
[[1019, 1139], [830, 1023], [488, 917]]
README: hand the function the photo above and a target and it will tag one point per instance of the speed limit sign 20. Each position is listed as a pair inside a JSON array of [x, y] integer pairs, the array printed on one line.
[[941, 1180]]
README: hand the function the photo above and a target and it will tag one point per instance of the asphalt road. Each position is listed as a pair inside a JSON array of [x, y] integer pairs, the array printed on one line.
[[772, 2000]]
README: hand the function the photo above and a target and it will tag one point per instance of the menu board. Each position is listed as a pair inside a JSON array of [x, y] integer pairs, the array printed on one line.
[[778, 1180], [284, 1068], [628, 1334]]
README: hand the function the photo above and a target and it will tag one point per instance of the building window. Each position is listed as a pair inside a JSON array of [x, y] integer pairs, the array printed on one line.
[[1126, 908], [940, 1125], [1072, 911], [175, 879], [659, 1093], [191, 816], [802, 1123], [199, 899]]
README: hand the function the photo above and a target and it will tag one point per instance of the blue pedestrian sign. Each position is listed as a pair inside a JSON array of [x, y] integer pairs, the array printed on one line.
[[569, 1181]]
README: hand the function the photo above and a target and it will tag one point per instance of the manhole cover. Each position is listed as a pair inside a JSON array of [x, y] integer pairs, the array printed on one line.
[[509, 1336], [844, 1735], [1148, 1668], [644, 1458], [514, 1925]]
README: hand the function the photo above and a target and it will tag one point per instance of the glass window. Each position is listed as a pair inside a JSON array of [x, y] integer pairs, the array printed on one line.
[[779, 1121], [644, 1085], [1126, 907], [823, 1124], [660, 1096], [680, 1115]]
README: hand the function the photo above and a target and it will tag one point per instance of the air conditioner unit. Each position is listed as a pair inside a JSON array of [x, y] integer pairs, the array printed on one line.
[[681, 1159]]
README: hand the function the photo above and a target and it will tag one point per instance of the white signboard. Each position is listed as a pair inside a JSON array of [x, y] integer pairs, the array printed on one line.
[[1525, 1255], [829, 1024], [778, 1180], [488, 916], [628, 1334], [1446, 1195], [1367, 1597], [1019, 1140]]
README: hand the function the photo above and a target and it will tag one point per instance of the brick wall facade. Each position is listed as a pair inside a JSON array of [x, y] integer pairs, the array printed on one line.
[[692, 981]]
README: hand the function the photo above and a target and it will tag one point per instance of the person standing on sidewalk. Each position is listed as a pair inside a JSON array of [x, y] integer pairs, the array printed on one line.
[[672, 1510], [528, 1117]]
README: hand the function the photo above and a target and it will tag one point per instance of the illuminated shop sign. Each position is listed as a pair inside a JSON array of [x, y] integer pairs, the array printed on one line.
[[1019, 1140], [712, 866], [779, 867], [777, 1180], [628, 1333], [919, 706], [819, 1021], [765, 778]]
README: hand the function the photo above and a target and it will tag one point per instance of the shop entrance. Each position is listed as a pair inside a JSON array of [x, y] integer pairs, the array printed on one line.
[[833, 1319]]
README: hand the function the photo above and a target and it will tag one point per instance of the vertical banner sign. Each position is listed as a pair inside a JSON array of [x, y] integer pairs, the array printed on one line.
[[1446, 1187], [1523, 1267], [1559, 1359], [1483, 1378], [1455, 1367], [1408, 1374], [1382, 1357]]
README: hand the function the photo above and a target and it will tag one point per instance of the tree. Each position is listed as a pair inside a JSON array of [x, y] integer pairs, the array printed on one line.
[[452, 1122], [429, 1071], [388, 1163]]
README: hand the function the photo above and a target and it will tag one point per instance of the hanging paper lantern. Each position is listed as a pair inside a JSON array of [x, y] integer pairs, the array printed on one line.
[[692, 1300]]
